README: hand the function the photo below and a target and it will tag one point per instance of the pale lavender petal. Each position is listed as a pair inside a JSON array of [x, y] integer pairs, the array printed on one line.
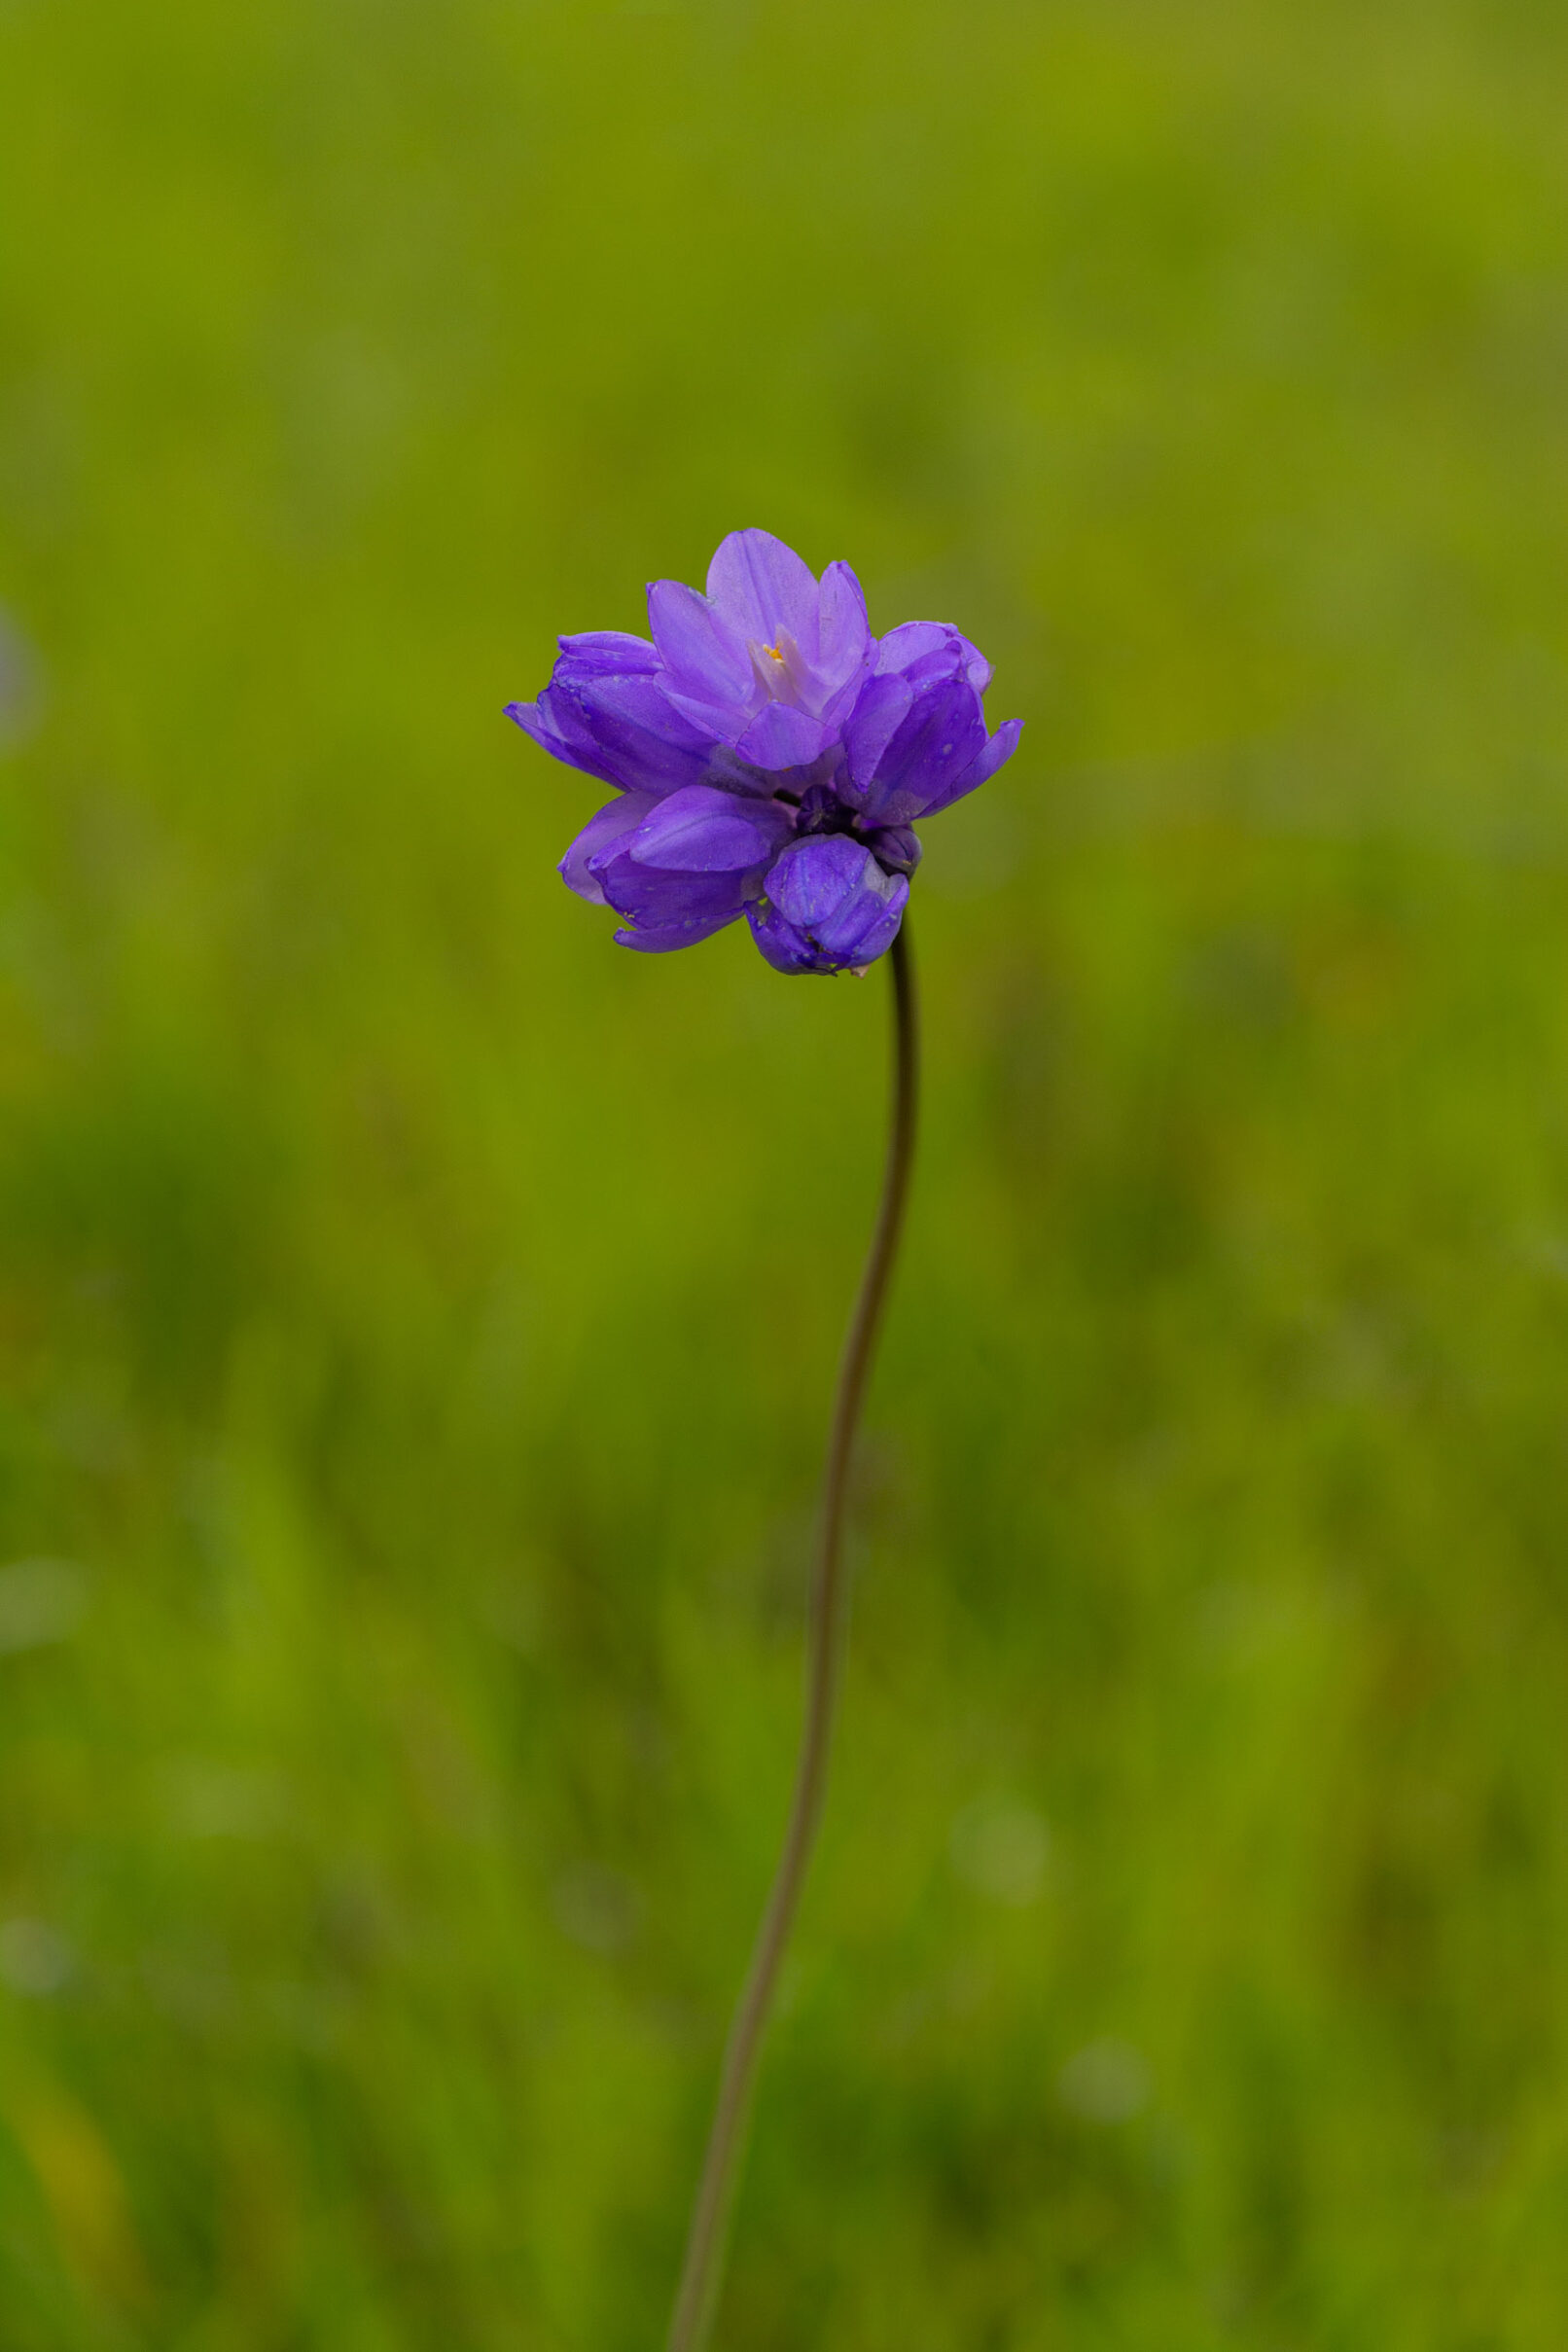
[[761, 586], [843, 633], [829, 907], [707, 660], [611, 825], [995, 755], [781, 736]]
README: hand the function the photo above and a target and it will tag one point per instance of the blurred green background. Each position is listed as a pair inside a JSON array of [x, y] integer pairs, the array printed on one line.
[[419, 1315]]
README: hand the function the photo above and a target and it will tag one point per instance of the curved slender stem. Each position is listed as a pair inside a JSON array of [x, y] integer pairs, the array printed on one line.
[[825, 1642]]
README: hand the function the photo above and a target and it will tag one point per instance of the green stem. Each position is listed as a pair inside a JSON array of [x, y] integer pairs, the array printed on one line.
[[825, 1644]]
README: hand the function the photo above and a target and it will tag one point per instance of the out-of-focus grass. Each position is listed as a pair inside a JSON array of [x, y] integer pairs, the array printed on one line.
[[419, 1315]]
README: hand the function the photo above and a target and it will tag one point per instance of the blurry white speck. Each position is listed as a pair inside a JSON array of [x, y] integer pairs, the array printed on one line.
[[1105, 2082], [1001, 1848], [34, 1959], [21, 684], [40, 1601], [594, 1907]]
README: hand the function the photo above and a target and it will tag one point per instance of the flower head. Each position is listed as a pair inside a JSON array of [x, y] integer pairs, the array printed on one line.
[[770, 755]]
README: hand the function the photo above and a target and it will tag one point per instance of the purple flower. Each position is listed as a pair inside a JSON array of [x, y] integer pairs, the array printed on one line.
[[770, 755]]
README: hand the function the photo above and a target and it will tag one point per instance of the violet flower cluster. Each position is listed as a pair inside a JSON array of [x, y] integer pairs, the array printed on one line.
[[770, 755]]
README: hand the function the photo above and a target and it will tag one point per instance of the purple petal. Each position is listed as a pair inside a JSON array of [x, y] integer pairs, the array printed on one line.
[[651, 900], [660, 939], [632, 700], [843, 640], [880, 710], [557, 725], [703, 831], [830, 906], [781, 736], [533, 722], [729, 771], [761, 586], [622, 727], [554, 722], [706, 659], [697, 857], [897, 847], [599, 652], [909, 645], [995, 754], [922, 651], [930, 749], [621, 817]]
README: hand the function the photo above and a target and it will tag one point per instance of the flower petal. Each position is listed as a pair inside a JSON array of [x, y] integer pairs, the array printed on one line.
[[697, 857], [606, 650], [995, 755], [880, 710], [622, 726], [703, 831], [829, 907], [653, 900], [621, 817], [937, 740], [843, 640], [760, 587], [533, 722], [781, 736], [705, 658], [921, 651], [660, 939], [896, 848]]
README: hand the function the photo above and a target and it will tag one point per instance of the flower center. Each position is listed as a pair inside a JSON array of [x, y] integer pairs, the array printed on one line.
[[780, 670], [823, 811]]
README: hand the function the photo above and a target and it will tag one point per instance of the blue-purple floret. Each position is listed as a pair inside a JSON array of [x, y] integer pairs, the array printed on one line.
[[770, 756]]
